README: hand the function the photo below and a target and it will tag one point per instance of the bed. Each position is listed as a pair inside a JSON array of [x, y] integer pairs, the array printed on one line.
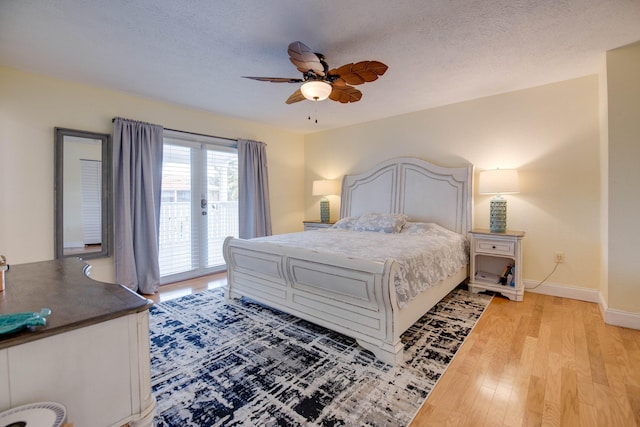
[[352, 294]]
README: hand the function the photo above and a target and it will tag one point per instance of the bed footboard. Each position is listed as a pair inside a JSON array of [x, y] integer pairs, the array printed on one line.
[[348, 295]]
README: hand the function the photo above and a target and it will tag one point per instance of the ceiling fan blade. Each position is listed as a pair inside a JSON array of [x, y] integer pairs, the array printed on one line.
[[275, 79], [343, 93], [360, 72], [296, 96], [304, 59]]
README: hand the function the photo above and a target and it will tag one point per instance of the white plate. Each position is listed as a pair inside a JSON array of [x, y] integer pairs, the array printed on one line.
[[41, 414]]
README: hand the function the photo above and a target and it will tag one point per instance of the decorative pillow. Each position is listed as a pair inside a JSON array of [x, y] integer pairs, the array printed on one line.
[[348, 223], [381, 223]]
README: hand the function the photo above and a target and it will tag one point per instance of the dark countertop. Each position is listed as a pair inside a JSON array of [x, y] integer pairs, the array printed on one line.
[[75, 300]]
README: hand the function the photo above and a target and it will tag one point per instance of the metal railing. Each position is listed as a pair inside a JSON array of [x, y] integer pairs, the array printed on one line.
[[179, 242]]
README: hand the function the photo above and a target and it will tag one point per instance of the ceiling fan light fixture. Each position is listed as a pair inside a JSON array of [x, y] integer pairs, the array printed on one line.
[[316, 90]]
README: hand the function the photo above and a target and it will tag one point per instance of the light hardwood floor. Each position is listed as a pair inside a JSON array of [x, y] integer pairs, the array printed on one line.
[[546, 361], [179, 289]]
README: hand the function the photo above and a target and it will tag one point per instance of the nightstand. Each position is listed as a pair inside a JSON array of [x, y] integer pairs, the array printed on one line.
[[496, 263], [316, 225]]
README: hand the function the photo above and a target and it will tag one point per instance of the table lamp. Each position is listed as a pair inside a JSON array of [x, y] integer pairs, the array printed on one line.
[[325, 188], [498, 182]]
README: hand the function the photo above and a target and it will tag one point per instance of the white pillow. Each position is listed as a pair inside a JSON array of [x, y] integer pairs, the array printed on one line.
[[347, 223], [381, 223]]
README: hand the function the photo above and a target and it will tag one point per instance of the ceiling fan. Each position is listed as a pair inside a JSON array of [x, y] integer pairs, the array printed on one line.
[[320, 83]]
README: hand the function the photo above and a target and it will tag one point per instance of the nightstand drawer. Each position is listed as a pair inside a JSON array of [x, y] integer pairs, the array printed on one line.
[[495, 247]]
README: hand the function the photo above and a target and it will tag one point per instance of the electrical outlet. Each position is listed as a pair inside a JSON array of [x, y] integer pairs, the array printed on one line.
[[559, 258]]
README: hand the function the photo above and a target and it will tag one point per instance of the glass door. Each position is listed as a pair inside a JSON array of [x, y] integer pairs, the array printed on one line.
[[199, 207]]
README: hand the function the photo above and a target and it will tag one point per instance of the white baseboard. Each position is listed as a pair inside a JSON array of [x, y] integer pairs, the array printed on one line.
[[612, 316], [564, 291], [625, 319]]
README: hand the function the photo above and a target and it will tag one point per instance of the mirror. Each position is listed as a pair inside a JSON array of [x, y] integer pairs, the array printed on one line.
[[82, 190]]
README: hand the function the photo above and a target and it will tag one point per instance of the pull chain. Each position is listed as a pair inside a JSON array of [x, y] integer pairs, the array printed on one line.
[[315, 102]]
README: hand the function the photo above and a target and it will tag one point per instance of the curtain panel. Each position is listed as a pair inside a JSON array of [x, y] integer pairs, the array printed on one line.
[[253, 190], [137, 167]]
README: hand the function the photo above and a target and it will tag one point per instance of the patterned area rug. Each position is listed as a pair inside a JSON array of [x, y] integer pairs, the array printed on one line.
[[216, 362]]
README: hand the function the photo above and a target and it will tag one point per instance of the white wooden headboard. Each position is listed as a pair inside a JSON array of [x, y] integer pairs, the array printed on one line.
[[423, 191]]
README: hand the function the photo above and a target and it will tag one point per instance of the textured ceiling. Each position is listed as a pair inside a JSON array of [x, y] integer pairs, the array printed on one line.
[[193, 52]]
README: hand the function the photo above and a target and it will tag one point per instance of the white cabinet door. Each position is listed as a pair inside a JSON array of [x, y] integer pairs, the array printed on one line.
[[5, 400], [88, 370]]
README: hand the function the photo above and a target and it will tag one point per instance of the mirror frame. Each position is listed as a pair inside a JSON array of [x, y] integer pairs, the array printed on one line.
[[106, 208]]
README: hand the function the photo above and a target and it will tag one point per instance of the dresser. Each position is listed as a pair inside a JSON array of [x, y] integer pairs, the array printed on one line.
[[93, 354]]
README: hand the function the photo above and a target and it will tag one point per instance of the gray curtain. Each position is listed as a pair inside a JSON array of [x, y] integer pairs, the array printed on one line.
[[253, 191], [137, 168]]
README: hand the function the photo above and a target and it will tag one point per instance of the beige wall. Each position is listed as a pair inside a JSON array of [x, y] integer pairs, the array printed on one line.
[[623, 89], [578, 164], [549, 133], [32, 105]]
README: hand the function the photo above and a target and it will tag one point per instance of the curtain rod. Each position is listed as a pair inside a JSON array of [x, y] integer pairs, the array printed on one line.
[[194, 133], [203, 134]]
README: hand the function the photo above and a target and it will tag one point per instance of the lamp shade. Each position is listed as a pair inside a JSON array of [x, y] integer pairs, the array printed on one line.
[[499, 181], [325, 187], [316, 90]]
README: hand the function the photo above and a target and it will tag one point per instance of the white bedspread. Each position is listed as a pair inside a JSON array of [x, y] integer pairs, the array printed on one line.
[[424, 257]]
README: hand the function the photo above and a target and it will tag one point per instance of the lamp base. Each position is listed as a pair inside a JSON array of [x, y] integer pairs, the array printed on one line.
[[498, 215], [324, 210]]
